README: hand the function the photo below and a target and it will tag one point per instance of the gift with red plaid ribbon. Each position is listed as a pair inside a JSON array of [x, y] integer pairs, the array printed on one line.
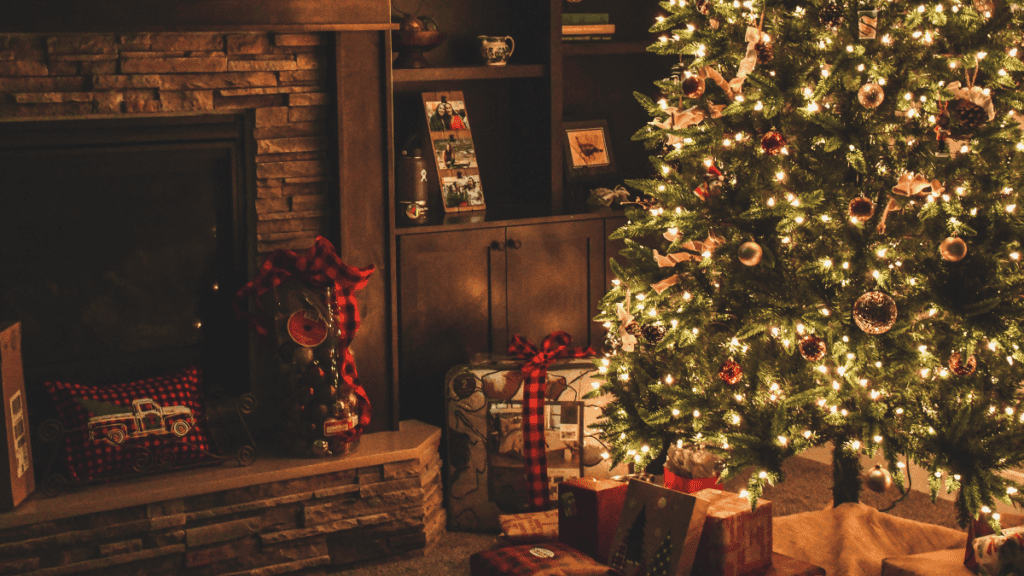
[[321, 267], [535, 370]]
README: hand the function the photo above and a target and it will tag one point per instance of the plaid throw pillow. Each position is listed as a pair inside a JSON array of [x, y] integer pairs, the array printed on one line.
[[128, 427]]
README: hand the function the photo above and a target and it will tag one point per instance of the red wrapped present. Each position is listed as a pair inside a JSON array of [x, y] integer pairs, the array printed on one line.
[[691, 468], [550, 559], [735, 541], [588, 514], [690, 485]]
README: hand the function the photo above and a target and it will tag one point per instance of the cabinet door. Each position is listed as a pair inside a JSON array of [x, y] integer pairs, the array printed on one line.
[[451, 292], [555, 279]]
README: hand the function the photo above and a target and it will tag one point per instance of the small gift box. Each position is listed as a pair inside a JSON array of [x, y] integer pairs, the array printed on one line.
[[529, 528], [1001, 554], [735, 540], [588, 514], [691, 469], [550, 559], [659, 531]]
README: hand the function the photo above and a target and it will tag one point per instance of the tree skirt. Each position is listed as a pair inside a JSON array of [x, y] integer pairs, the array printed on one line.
[[853, 539]]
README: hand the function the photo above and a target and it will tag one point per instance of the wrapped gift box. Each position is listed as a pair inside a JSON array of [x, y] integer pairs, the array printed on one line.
[[588, 514], [486, 477], [529, 528], [735, 541], [531, 560], [658, 533]]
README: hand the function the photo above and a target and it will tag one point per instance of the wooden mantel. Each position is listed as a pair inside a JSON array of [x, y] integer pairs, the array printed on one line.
[[57, 16]]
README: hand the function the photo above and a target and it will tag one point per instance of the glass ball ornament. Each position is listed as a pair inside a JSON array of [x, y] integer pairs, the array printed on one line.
[[961, 367], [750, 253], [953, 249], [653, 333], [879, 479], [871, 95], [831, 14], [693, 86], [875, 312], [984, 7], [731, 372], [812, 348], [772, 142], [862, 209]]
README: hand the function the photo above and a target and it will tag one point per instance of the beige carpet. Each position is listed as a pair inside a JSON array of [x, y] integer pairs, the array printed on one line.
[[807, 488]]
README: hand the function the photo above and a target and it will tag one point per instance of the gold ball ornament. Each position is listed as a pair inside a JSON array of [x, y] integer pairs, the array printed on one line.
[[862, 209], [871, 95], [962, 367], [984, 7], [772, 142], [953, 249], [875, 312], [693, 86], [879, 479], [731, 372], [813, 348], [750, 253]]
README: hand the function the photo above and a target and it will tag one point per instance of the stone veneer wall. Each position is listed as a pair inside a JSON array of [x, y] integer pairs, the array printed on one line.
[[308, 523], [280, 76]]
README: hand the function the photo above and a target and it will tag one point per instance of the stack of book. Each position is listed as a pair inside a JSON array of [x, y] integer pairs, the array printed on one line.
[[586, 27]]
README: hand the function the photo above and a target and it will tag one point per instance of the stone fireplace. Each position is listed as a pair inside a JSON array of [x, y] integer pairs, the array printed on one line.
[[283, 88]]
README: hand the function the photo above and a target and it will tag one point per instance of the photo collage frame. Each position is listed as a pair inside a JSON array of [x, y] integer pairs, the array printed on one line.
[[453, 151]]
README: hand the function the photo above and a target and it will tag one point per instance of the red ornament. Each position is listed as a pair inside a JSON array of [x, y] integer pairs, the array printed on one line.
[[693, 86], [730, 372], [772, 142], [961, 367], [813, 348]]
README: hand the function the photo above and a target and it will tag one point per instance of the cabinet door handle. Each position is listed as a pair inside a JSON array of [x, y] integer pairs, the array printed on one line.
[[497, 246], [514, 244]]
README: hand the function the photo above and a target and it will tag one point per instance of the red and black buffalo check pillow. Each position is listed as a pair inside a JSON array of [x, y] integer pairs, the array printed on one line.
[[123, 428]]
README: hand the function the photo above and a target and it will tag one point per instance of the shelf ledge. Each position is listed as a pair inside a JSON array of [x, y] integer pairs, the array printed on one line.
[[468, 73]]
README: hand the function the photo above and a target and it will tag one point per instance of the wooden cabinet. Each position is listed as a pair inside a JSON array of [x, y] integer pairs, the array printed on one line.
[[467, 292], [536, 260]]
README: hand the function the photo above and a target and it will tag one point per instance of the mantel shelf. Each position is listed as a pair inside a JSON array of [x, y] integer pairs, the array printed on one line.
[[604, 48], [468, 73]]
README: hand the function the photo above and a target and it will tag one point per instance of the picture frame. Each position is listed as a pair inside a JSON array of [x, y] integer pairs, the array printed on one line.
[[588, 151], [453, 151]]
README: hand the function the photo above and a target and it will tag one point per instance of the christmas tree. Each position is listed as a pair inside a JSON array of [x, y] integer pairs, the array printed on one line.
[[828, 252]]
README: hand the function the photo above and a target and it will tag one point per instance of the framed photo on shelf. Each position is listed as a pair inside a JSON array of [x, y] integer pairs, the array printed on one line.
[[588, 151], [451, 143]]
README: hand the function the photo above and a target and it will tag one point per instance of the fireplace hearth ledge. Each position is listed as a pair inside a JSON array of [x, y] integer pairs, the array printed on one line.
[[274, 517], [408, 443]]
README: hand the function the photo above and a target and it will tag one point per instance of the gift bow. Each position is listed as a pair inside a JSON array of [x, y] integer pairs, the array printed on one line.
[[910, 185], [669, 260], [535, 370], [322, 267]]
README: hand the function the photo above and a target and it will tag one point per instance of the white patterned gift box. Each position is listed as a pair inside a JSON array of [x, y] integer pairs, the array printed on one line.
[[486, 477]]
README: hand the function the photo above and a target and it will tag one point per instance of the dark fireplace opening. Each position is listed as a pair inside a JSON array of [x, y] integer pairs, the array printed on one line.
[[122, 243]]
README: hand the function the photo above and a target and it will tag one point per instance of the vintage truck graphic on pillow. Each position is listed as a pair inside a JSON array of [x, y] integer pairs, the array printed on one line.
[[115, 424]]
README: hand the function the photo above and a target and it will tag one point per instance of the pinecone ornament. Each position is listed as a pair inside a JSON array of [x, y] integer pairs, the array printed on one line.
[[967, 118], [764, 52]]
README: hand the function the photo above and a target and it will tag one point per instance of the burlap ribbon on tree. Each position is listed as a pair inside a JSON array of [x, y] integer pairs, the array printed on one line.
[[320, 267], [535, 371]]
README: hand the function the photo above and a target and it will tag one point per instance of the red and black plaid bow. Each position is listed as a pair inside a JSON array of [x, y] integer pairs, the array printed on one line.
[[322, 267], [535, 372]]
